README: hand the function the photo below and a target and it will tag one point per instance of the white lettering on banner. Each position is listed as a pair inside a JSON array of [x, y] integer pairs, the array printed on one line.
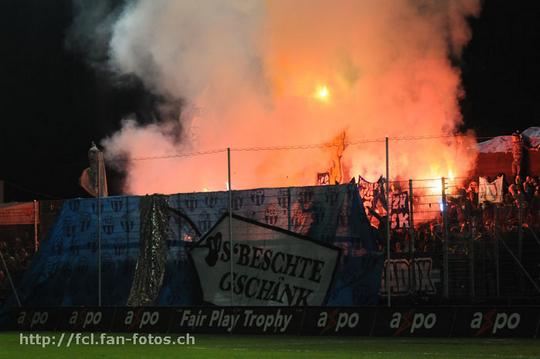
[[129, 318], [92, 318], [323, 178], [39, 318], [268, 322], [424, 321], [485, 321], [21, 317], [73, 318], [372, 195], [505, 321], [373, 198], [272, 267], [399, 210], [346, 320], [490, 191], [408, 276], [148, 318]]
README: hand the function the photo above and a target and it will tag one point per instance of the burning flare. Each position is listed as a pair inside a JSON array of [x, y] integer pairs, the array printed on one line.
[[322, 94]]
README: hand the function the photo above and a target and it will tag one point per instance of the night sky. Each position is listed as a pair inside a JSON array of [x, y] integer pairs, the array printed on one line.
[[54, 101]]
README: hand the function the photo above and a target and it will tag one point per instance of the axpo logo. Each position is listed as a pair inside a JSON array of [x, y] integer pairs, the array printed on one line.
[[87, 319], [338, 321], [410, 322], [141, 319], [493, 322], [37, 318]]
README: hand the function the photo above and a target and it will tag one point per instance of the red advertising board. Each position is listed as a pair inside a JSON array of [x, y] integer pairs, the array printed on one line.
[[19, 213]]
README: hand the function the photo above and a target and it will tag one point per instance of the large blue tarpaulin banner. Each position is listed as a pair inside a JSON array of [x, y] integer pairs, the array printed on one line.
[[327, 223]]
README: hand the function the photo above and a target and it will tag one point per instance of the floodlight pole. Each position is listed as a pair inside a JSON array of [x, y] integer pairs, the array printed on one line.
[[387, 274], [230, 222]]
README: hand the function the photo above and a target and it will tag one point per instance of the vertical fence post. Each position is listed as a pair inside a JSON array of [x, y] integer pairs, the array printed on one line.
[[8, 274], [445, 238], [99, 228], [289, 217], [520, 229], [497, 263], [520, 242], [412, 249], [387, 273], [230, 223], [471, 265], [36, 226]]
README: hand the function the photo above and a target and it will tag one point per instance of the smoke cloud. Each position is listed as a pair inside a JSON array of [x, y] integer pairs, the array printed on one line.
[[284, 73]]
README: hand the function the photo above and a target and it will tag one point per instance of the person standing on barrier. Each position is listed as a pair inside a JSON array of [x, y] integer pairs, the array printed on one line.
[[517, 153]]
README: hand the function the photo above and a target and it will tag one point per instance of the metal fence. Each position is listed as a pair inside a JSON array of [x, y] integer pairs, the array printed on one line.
[[452, 249], [458, 251]]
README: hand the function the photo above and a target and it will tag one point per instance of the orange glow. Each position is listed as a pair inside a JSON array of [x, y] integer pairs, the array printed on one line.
[[379, 68], [322, 94]]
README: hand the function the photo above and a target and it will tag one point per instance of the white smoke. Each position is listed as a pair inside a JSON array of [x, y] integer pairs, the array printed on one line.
[[250, 68]]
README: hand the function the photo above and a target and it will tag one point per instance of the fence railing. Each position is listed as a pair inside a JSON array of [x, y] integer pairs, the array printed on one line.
[[457, 250], [443, 245]]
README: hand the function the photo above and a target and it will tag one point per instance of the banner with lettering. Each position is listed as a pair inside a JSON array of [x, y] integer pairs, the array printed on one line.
[[323, 178], [490, 191], [270, 266], [374, 199], [399, 209], [297, 246]]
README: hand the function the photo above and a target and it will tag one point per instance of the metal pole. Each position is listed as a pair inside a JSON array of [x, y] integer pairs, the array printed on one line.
[[387, 275], [99, 225], [471, 265], [289, 217], [230, 222], [497, 265], [529, 277], [520, 229], [412, 250], [10, 280], [445, 238], [36, 222]]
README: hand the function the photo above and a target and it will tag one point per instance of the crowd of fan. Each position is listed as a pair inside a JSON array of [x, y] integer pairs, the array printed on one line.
[[16, 257], [467, 218]]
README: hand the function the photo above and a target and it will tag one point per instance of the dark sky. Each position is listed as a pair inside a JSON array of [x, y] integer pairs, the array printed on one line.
[[53, 103]]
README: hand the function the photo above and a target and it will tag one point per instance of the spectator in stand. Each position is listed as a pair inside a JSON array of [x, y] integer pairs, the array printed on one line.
[[528, 188], [407, 242], [535, 207], [472, 193], [517, 153], [516, 189], [465, 212], [398, 247]]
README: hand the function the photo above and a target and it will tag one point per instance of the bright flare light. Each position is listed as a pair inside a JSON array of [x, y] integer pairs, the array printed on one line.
[[322, 93]]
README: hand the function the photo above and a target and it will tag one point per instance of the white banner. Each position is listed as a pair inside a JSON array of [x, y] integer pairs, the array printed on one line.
[[271, 266], [490, 191]]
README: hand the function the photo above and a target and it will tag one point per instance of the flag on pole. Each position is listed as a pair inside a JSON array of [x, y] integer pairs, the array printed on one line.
[[94, 179]]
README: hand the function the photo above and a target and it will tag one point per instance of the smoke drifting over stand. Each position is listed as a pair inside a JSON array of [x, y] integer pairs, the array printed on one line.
[[280, 73]]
